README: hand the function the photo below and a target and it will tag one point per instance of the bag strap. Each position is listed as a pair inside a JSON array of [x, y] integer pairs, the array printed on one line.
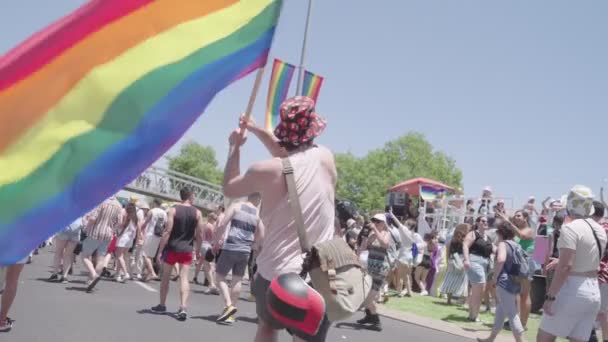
[[294, 204], [597, 240]]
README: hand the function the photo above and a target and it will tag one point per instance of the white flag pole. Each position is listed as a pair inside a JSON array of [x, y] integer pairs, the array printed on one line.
[[303, 54]]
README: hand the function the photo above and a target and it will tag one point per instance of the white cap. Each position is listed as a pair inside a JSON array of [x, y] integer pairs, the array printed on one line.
[[380, 217]]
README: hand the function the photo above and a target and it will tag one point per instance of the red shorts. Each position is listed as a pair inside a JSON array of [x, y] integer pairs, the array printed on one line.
[[173, 258]]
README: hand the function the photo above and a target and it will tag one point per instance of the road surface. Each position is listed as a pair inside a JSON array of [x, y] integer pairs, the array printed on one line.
[[46, 312]]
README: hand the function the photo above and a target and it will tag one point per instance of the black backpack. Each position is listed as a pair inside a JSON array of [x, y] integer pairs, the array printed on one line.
[[159, 228]]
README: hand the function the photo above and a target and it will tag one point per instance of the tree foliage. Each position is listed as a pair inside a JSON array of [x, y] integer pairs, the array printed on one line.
[[197, 161], [365, 180]]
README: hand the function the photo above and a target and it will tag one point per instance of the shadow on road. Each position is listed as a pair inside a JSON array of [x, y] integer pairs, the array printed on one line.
[[351, 326], [78, 289]]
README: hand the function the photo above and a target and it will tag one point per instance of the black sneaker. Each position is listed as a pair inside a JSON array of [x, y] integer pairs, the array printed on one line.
[[70, 272], [375, 323], [92, 284], [54, 277], [160, 309], [228, 311], [182, 315], [368, 319], [7, 325], [64, 280], [195, 280], [206, 282]]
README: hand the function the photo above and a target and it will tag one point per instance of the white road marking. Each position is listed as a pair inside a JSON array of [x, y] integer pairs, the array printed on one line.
[[145, 286]]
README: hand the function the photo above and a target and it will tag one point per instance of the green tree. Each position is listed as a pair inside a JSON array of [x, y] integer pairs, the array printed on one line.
[[197, 161], [365, 180]]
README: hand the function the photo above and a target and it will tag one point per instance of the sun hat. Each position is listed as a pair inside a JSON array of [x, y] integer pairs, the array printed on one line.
[[379, 217], [580, 201], [299, 122]]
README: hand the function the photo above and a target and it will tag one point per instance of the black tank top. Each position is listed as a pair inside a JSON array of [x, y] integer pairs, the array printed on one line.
[[481, 247], [184, 229]]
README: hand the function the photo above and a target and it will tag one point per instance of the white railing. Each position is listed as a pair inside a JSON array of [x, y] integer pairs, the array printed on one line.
[[166, 184]]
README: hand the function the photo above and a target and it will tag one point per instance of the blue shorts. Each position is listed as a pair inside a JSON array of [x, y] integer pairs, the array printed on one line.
[[478, 273], [69, 235], [89, 246]]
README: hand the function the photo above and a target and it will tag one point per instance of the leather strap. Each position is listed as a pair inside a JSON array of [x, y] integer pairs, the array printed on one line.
[[294, 204]]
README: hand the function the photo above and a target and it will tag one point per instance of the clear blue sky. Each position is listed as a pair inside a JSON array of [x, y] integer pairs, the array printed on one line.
[[515, 91]]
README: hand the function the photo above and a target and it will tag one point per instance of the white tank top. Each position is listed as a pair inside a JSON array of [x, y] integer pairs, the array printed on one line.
[[281, 251]]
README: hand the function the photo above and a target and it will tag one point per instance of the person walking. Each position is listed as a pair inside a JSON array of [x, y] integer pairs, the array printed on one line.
[[180, 239]]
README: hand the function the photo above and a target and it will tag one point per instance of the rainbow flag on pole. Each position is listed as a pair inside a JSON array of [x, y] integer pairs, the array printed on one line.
[[280, 79], [312, 85], [91, 101]]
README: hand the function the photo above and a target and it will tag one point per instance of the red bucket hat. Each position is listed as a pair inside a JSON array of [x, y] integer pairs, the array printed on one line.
[[299, 121]]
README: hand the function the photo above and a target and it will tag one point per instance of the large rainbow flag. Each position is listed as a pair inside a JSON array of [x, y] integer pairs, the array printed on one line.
[[280, 79], [91, 101], [312, 85]]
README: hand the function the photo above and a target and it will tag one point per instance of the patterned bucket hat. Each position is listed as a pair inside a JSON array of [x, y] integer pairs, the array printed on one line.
[[299, 121], [580, 201]]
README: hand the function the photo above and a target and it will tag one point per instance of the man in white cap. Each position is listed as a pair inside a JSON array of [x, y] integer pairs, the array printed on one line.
[[573, 299]]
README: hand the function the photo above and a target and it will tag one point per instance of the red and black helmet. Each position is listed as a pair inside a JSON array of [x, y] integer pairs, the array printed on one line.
[[295, 304]]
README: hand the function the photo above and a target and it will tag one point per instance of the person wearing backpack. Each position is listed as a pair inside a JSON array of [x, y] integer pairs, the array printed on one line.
[[509, 266], [524, 236]]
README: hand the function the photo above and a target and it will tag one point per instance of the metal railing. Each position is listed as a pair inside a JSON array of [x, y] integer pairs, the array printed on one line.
[[166, 184]]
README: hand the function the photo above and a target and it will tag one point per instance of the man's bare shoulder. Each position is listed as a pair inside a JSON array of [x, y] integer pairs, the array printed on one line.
[[266, 167]]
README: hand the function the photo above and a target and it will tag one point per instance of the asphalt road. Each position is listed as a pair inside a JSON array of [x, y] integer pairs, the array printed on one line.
[[46, 312]]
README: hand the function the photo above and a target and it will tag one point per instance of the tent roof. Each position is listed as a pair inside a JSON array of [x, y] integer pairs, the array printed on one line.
[[412, 186]]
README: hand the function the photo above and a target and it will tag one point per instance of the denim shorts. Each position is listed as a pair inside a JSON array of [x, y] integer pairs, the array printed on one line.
[[89, 246], [478, 272], [72, 236], [232, 261]]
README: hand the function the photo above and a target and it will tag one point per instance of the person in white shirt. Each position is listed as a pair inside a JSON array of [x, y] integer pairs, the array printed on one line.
[[573, 299], [153, 228]]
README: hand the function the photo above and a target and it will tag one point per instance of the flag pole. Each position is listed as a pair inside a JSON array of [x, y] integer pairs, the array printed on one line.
[[303, 54]]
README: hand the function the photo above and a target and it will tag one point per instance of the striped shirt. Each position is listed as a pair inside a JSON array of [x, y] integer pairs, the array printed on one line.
[[104, 220]]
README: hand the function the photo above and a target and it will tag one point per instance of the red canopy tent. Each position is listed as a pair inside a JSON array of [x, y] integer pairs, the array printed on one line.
[[412, 186]]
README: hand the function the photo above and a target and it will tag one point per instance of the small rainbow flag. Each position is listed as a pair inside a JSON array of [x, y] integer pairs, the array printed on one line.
[[91, 101], [312, 85], [429, 193], [280, 80]]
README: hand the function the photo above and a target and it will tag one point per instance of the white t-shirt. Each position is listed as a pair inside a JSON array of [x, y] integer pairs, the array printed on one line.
[[577, 235], [156, 213]]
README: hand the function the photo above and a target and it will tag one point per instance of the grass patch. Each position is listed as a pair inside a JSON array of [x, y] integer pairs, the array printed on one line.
[[437, 308]]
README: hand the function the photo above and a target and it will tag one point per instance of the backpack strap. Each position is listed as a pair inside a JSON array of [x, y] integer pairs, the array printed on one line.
[[294, 204], [597, 240]]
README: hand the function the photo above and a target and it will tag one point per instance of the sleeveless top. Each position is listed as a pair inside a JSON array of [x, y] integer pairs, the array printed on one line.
[[184, 230], [281, 251], [377, 259], [526, 245], [241, 233], [481, 247], [503, 279]]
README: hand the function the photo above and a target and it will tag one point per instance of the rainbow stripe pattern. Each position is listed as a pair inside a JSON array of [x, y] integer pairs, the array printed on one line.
[[91, 101], [280, 80], [429, 193], [312, 85]]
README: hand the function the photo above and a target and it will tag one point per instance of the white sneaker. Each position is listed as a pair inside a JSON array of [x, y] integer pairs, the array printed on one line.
[[424, 293]]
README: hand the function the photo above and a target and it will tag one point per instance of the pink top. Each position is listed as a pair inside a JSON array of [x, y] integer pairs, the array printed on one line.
[[281, 251]]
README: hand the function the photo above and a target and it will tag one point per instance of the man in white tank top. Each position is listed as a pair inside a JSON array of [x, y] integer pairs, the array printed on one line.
[[316, 176]]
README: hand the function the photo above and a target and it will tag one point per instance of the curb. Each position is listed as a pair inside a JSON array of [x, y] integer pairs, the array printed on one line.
[[437, 325]]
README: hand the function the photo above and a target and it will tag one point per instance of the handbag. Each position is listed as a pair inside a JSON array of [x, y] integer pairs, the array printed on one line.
[[334, 268], [457, 262]]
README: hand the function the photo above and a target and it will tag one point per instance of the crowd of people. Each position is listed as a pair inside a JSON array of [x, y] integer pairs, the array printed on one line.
[[483, 256]]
